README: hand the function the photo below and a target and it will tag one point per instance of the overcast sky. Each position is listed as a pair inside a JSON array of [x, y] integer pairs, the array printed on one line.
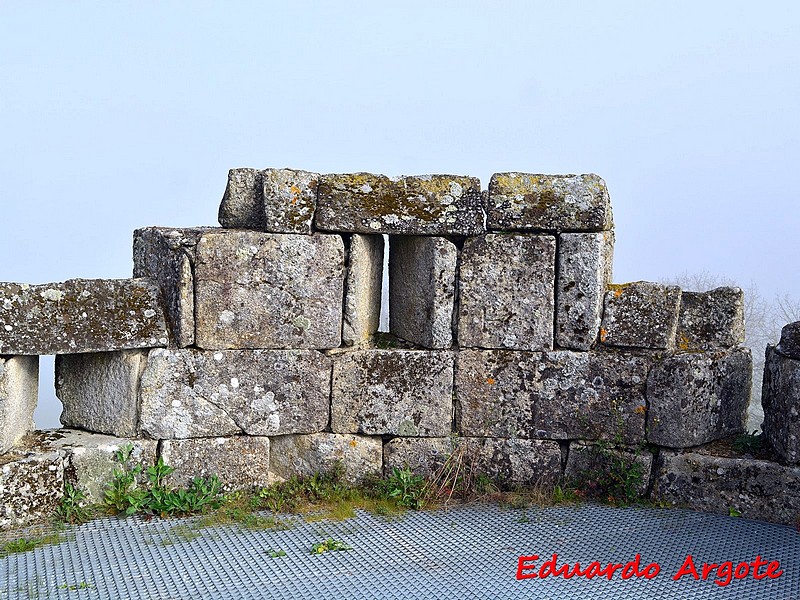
[[118, 115]]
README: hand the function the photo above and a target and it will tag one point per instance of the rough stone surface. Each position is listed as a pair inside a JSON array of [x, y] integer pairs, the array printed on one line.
[[524, 201], [362, 298], [758, 489], [304, 455], [422, 281], [290, 198], [585, 460], [240, 462], [393, 392], [166, 255], [507, 292], [421, 205], [640, 314], [194, 393], [19, 392], [424, 456], [552, 395], [699, 397], [780, 398], [711, 320], [789, 344], [100, 391], [81, 315], [242, 205], [265, 290], [585, 262]]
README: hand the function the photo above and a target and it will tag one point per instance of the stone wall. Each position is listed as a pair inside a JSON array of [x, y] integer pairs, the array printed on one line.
[[252, 350]]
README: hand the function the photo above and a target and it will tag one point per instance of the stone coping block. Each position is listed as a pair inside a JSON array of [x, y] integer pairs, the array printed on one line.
[[711, 320], [558, 395], [530, 202], [268, 290], [757, 489], [780, 398], [789, 344], [242, 205], [641, 315], [194, 393], [411, 205], [81, 315], [587, 461], [697, 398], [392, 392], [19, 393], [363, 288]]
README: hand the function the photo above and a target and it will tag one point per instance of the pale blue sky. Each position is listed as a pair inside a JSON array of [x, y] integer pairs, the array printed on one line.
[[119, 115]]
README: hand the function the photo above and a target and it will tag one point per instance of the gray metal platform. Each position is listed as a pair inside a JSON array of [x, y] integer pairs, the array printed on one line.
[[464, 552]]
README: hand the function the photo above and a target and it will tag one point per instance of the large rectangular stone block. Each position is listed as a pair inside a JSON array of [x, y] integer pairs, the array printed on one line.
[[553, 395], [392, 392], [266, 290], [506, 292], [584, 271], [422, 278], [362, 296], [193, 393], [81, 315], [305, 455], [528, 202], [711, 320], [420, 205], [697, 398], [19, 392], [640, 315], [780, 398]]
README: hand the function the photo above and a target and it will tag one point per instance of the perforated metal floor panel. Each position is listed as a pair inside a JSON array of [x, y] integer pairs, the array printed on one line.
[[465, 552]]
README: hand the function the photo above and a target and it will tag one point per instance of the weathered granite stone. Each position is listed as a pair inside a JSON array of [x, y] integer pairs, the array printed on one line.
[[362, 297], [506, 292], [710, 320], [290, 198], [422, 280], [392, 392], [19, 392], [789, 344], [266, 290], [195, 393], [242, 205], [696, 398], [305, 455], [81, 315], [166, 255], [584, 271], [552, 395], [640, 314], [524, 201], [421, 205], [424, 456], [240, 462], [780, 398], [586, 461], [758, 489]]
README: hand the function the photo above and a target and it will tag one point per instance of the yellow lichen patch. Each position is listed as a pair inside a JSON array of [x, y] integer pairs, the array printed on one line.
[[684, 343], [603, 334], [353, 443], [490, 380], [640, 410], [295, 193]]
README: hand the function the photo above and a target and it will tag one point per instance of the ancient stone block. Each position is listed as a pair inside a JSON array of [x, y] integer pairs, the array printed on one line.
[[781, 401], [586, 462], [240, 462], [424, 456], [421, 205], [552, 395], [290, 198], [362, 298], [640, 314], [422, 277], [81, 315], [305, 455], [193, 393], [710, 320], [789, 344], [19, 392], [506, 292], [265, 290], [100, 391], [242, 205], [524, 201], [757, 489], [584, 271], [699, 397], [392, 392]]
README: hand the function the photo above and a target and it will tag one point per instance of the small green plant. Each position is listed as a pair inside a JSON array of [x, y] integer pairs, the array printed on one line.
[[28, 544], [406, 488], [76, 586], [276, 553], [329, 545], [72, 506], [749, 443], [732, 512]]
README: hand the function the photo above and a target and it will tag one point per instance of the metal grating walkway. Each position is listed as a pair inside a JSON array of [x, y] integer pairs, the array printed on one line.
[[464, 552]]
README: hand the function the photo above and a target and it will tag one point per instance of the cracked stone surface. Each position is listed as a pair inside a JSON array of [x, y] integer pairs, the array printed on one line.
[[641, 315], [781, 401], [711, 320], [362, 300], [304, 455], [19, 393]]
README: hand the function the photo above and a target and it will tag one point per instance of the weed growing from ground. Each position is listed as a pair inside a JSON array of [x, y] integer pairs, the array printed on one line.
[[329, 545], [73, 507], [749, 443]]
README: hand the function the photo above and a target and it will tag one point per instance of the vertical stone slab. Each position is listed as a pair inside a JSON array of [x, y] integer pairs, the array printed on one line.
[[305, 455], [710, 320], [506, 288], [640, 315], [422, 273], [789, 344], [362, 297], [585, 262], [242, 206], [19, 392], [31, 483], [781, 401], [100, 391], [267, 290]]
